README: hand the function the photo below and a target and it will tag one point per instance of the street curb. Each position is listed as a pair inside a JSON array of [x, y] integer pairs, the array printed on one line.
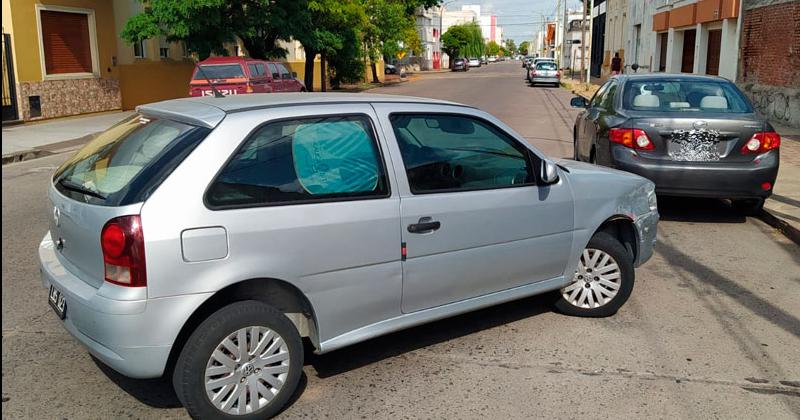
[[47, 150], [783, 226]]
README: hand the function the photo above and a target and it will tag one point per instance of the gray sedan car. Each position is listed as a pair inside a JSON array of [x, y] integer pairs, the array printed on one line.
[[203, 237], [691, 135]]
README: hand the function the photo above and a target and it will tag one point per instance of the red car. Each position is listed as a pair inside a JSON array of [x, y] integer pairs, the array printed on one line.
[[241, 75]]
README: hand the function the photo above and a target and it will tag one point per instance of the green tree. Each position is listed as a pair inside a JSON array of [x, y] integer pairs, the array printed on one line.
[[463, 40], [386, 30], [492, 48], [511, 47], [523, 47], [206, 25], [325, 27]]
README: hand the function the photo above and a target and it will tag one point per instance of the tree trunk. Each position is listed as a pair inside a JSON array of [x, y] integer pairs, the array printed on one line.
[[374, 72], [308, 78], [324, 71]]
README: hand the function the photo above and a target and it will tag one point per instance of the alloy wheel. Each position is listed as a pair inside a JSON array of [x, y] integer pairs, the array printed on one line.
[[247, 370], [596, 282]]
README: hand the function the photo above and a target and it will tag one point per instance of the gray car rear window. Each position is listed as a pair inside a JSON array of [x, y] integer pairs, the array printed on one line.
[[126, 162], [676, 95]]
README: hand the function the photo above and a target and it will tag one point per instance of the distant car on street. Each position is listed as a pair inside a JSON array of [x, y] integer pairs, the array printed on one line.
[[202, 238], [390, 69], [474, 62], [242, 75], [691, 135], [460, 64], [545, 72], [492, 59]]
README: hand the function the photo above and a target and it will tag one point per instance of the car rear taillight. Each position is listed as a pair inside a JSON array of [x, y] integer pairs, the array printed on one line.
[[558, 74], [122, 242], [633, 138], [762, 142]]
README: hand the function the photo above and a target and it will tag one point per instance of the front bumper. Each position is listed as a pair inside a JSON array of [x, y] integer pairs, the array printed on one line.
[[702, 179], [134, 335], [646, 232]]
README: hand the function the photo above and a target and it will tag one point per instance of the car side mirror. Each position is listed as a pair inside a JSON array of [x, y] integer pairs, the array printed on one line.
[[294, 75], [549, 173], [276, 76], [578, 102]]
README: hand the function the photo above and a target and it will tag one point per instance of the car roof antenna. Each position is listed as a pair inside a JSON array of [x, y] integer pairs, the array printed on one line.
[[213, 88]]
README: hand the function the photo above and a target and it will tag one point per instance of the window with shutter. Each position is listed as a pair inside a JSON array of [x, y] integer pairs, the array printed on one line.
[[66, 42]]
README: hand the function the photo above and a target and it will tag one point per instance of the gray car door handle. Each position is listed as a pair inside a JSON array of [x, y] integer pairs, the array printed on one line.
[[425, 225]]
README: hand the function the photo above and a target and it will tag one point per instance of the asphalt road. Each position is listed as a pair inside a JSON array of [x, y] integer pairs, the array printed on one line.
[[712, 329]]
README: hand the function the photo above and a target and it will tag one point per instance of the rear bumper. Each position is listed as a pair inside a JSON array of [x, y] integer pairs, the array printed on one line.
[[701, 179], [545, 80], [133, 336]]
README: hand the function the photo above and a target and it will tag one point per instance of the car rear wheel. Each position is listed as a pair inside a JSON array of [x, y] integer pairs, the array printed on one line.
[[242, 362], [749, 207], [603, 281]]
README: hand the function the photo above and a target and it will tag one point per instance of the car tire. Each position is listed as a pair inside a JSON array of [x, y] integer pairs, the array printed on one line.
[[605, 271], [575, 145], [216, 336], [749, 207]]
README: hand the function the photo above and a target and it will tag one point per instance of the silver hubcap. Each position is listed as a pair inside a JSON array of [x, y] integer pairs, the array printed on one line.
[[247, 370], [596, 281]]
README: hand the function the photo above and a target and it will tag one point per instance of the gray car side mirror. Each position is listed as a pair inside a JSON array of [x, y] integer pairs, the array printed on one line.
[[578, 102], [549, 173]]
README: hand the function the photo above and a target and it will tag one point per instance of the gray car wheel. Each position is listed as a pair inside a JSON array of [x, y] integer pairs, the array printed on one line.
[[242, 362], [603, 281]]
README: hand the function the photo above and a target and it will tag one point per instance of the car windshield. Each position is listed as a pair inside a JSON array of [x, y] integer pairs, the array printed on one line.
[[546, 65], [219, 71], [112, 161], [684, 96]]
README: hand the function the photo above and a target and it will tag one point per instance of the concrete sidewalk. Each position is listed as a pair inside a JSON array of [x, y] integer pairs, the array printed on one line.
[[30, 140]]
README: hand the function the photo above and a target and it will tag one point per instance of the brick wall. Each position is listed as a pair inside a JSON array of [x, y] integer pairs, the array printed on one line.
[[770, 59], [771, 45]]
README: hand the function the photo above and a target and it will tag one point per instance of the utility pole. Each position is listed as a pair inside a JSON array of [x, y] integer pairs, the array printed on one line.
[[564, 46], [583, 42], [589, 52]]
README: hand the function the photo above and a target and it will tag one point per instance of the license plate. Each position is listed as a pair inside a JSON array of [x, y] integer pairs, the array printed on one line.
[[700, 145], [57, 302], [224, 92]]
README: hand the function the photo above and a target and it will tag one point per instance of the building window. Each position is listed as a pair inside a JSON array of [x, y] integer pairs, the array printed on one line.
[[163, 47], [67, 40], [138, 49]]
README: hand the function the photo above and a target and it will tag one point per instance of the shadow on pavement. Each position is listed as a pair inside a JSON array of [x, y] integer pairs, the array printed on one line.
[[757, 305], [156, 393], [699, 210], [380, 348]]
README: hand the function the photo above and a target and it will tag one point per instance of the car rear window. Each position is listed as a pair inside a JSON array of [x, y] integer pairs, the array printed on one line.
[[219, 71], [124, 164], [684, 96], [546, 65]]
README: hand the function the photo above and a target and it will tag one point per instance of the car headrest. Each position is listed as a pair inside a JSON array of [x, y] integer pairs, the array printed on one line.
[[646, 101], [714, 102]]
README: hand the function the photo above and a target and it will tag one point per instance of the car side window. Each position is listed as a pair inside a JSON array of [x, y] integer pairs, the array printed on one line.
[[260, 69], [282, 70], [253, 70], [608, 96], [274, 71], [598, 97], [303, 160], [445, 152]]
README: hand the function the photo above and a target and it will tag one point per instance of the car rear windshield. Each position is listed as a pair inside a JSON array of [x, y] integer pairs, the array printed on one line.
[[684, 96], [124, 164], [546, 65], [219, 71]]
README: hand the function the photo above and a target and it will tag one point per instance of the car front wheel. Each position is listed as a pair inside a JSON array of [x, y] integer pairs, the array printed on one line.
[[603, 281], [242, 362]]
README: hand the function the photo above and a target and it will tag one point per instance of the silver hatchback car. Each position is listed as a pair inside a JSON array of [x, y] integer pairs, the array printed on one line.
[[202, 238]]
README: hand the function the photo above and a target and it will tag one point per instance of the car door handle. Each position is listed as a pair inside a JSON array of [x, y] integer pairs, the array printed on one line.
[[425, 225]]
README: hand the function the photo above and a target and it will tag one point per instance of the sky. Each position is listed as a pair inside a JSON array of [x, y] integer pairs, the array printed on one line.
[[520, 19]]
